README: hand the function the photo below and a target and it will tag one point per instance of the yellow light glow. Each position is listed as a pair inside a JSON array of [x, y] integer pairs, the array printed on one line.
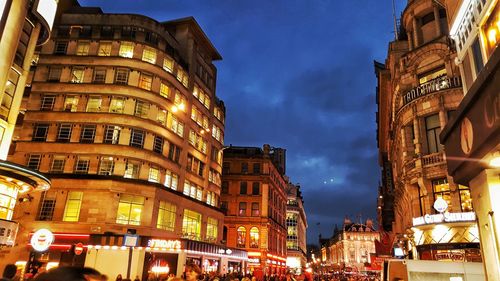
[[174, 109], [495, 161], [182, 106], [52, 264], [492, 35]]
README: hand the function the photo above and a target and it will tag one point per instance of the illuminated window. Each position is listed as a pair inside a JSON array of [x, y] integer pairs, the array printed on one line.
[[137, 138], [154, 174], [212, 227], [254, 237], [10, 90], [57, 165], [216, 155], [94, 104], [112, 134], [71, 103], [141, 109], [164, 90], [433, 129], [106, 166], [34, 161], [82, 165], [161, 116], [168, 64], [182, 76], [130, 209], [126, 49], [242, 209], [201, 96], [8, 198], [104, 49], [64, 132], [431, 75], [121, 76], [171, 180], [218, 114], [191, 225], [73, 204], [197, 141], [132, 170], [77, 74], [82, 49], [442, 190], [166, 216], [465, 198], [145, 81], [491, 30], [241, 237], [214, 177], [217, 133], [180, 101], [117, 105], [47, 102], [192, 190], [149, 55], [255, 209]]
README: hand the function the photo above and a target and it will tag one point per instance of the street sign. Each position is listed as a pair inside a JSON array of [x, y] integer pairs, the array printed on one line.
[[79, 249]]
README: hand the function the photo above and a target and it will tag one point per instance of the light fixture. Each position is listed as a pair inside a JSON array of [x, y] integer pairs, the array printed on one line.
[[495, 160]]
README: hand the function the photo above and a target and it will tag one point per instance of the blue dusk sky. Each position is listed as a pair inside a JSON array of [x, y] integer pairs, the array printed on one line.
[[298, 74]]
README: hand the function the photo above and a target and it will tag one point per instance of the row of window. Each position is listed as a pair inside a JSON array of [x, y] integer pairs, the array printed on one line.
[[243, 188], [106, 167], [256, 168], [254, 237], [130, 211], [441, 189]]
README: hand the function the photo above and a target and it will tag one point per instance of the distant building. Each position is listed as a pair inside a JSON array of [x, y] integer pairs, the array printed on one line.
[[296, 223], [254, 199], [419, 90], [472, 138]]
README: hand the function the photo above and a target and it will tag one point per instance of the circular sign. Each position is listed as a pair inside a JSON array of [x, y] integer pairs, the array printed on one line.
[[466, 136], [228, 251], [78, 249], [41, 240], [440, 205]]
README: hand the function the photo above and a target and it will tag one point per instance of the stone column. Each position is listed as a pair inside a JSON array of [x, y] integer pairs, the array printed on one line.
[[437, 21], [416, 41]]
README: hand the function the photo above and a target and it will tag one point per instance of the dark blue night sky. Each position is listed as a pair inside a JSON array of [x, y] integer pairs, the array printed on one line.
[[298, 74]]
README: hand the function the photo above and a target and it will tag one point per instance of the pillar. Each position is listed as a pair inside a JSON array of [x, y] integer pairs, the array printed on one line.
[[437, 21]]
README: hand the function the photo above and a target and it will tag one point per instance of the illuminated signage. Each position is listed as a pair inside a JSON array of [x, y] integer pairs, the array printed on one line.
[[446, 217], [432, 86], [8, 232], [161, 243], [41, 240], [254, 260], [440, 205], [130, 240]]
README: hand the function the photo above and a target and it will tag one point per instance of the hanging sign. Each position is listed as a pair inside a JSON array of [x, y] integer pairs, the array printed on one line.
[[41, 240]]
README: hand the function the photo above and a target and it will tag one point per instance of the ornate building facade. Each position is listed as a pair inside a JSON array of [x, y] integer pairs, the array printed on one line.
[[254, 197], [122, 114], [472, 138], [296, 223], [419, 89]]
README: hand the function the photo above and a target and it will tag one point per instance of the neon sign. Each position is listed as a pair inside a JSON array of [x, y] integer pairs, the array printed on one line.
[[41, 240], [161, 243], [446, 217]]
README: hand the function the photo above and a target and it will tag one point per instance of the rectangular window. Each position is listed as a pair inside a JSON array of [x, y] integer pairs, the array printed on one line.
[[217, 133], [88, 134], [106, 166], [166, 216], [126, 50], [212, 227], [441, 189], [47, 206], [82, 48], [82, 165], [24, 40], [242, 209], [104, 49], [128, 32], [192, 190], [40, 132], [244, 168], [132, 170], [225, 187], [477, 55], [112, 134], [107, 31], [201, 96], [162, 117], [175, 125], [77, 74], [99, 75], [137, 138], [94, 104], [164, 90], [149, 55], [243, 187], [216, 155], [130, 209], [433, 129], [256, 168], [34, 161], [117, 105], [182, 76], [121, 76], [57, 165], [154, 174], [54, 74], [73, 205], [168, 64], [158, 144], [171, 180], [212, 198], [255, 188], [47, 102], [465, 199], [255, 209], [71, 103], [64, 133], [195, 165], [191, 225], [214, 177], [432, 74], [141, 109], [145, 81], [60, 47], [198, 142], [174, 152]]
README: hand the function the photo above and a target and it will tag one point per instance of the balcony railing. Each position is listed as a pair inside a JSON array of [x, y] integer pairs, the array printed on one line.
[[432, 159], [432, 86]]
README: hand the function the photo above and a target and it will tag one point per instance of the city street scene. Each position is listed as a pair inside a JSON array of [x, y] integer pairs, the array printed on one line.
[[250, 140]]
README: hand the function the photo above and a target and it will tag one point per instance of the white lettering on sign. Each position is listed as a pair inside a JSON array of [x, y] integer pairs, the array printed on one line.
[[446, 217], [161, 243]]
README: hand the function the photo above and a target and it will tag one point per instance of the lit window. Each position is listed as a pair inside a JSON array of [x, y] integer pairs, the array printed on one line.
[[149, 55], [166, 216], [8, 198], [73, 204], [106, 166], [117, 105], [154, 174], [162, 117], [212, 227], [171, 180], [104, 49], [241, 237], [164, 90], [82, 49], [254, 237], [465, 199], [192, 190], [77, 74], [130, 209], [168, 64], [71, 103], [145, 81], [182, 76], [191, 225], [94, 104], [112, 134], [441, 189], [126, 49], [132, 170]]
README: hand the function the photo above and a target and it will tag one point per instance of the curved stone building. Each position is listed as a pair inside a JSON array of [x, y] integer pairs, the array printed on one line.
[[122, 113], [419, 89]]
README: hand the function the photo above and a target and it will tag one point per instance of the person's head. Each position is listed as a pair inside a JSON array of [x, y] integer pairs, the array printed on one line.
[[192, 272], [70, 274], [9, 271]]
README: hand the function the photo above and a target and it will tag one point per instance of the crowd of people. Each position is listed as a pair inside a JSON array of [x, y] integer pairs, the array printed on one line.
[[192, 273]]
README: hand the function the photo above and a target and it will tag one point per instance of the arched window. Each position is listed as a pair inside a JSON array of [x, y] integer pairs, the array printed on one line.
[[254, 237], [242, 235]]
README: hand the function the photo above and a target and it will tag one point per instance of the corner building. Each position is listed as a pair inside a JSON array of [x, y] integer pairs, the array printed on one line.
[[254, 199], [419, 90], [122, 114], [296, 223]]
